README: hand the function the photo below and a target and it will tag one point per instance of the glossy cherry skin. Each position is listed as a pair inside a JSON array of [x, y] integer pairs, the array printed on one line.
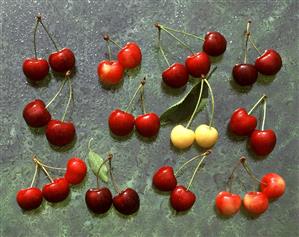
[[121, 123], [35, 114], [98, 200], [164, 179], [148, 125], [269, 63], [262, 142], [127, 202], [29, 198], [198, 64], [227, 203], [60, 133], [245, 74], [241, 123], [272, 185], [130, 55], [35, 69], [62, 60], [214, 44], [255, 203], [182, 199], [56, 191], [75, 170], [110, 72], [175, 76]]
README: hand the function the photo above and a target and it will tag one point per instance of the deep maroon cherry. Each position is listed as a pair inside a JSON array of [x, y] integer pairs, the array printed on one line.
[[198, 64], [36, 114], [176, 75], [56, 191], [182, 199], [245, 74], [62, 60], [75, 170], [35, 69], [98, 200], [127, 201], [262, 142], [214, 44], [241, 123], [130, 55], [121, 123], [164, 179], [148, 125], [29, 198], [269, 63]]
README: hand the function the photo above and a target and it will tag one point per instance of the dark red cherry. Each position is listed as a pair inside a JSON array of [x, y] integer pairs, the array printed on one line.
[[127, 202], [164, 179], [262, 142], [121, 123], [56, 191], [35, 69], [241, 123], [175, 76], [182, 199], [198, 64], [245, 74], [148, 125], [62, 60], [214, 44], [35, 114], [29, 198], [98, 200], [130, 55], [269, 63], [60, 133]]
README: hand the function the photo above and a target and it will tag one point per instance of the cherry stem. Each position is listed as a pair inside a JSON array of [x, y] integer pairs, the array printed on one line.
[[160, 46], [254, 46], [39, 18], [34, 36], [192, 159], [264, 114], [103, 163], [176, 38], [231, 177], [142, 101], [141, 85], [70, 96], [264, 97], [247, 34], [57, 93], [196, 169], [34, 176], [111, 175], [107, 39], [182, 32], [35, 159], [212, 101], [89, 144], [249, 170]]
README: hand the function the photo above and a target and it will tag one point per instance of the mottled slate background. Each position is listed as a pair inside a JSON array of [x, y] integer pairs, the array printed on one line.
[[79, 25]]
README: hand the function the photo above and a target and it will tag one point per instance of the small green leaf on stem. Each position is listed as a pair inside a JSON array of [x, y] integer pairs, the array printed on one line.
[[95, 161]]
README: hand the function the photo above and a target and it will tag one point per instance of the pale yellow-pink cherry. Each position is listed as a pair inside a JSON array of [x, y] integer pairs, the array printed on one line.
[[206, 136], [182, 137]]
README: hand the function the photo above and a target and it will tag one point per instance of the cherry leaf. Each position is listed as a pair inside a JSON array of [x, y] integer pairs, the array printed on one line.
[[95, 161]]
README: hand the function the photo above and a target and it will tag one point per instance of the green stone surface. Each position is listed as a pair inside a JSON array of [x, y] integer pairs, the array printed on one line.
[[79, 25]]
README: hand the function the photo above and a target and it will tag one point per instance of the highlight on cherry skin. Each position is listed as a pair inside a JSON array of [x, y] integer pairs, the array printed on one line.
[[148, 125], [76, 170], [110, 72], [255, 203], [130, 55]]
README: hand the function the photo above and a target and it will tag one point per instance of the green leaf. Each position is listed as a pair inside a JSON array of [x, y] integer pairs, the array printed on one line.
[[184, 108], [95, 161]]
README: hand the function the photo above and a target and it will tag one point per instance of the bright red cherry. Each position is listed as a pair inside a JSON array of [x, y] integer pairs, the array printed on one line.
[[35, 69], [176, 75], [164, 179], [148, 125], [255, 203], [98, 200], [262, 142], [245, 74], [56, 191], [75, 170], [130, 55], [241, 123], [198, 64], [121, 123], [182, 199], [272, 185], [269, 63], [110, 72], [127, 202], [62, 60], [228, 203], [35, 114], [29, 198], [60, 133], [214, 44]]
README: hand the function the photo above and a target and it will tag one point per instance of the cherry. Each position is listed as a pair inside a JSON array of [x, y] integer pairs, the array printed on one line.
[[198, 64], [98, 200], [29, 198], [62, 61], [36, 114], [148, 124], [269, 63], [164, 179], [214, 44], [57, 190], [228, 203], [255, 203], [245, 74], [60, 133], [121, 123], [110, 72], [127, 201], [272, 185], [75, 170], [130, 55], [35, 69], [262, 142], [182, 199], [176, 75], [241, 123]]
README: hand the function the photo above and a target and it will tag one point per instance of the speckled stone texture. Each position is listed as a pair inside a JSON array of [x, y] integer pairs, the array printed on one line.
[[79, 25]]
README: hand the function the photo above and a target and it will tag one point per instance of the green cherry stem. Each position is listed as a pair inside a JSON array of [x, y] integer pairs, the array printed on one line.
[[264, 114], [34, 36], [264, 97], [107, 39], [254, 46], [247, 34], [249, 170], [141, 85], [35, 159], [182, 32], [212, 102], [39, 18], [70, 96], [231, 177], [89, 144], [34, 176], [57, 93], [103, 163], [160, 45], [117, 189], [142, 101]]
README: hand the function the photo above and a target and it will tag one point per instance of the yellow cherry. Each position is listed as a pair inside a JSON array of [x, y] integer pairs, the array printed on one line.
[[206, 136], [182, 137]]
